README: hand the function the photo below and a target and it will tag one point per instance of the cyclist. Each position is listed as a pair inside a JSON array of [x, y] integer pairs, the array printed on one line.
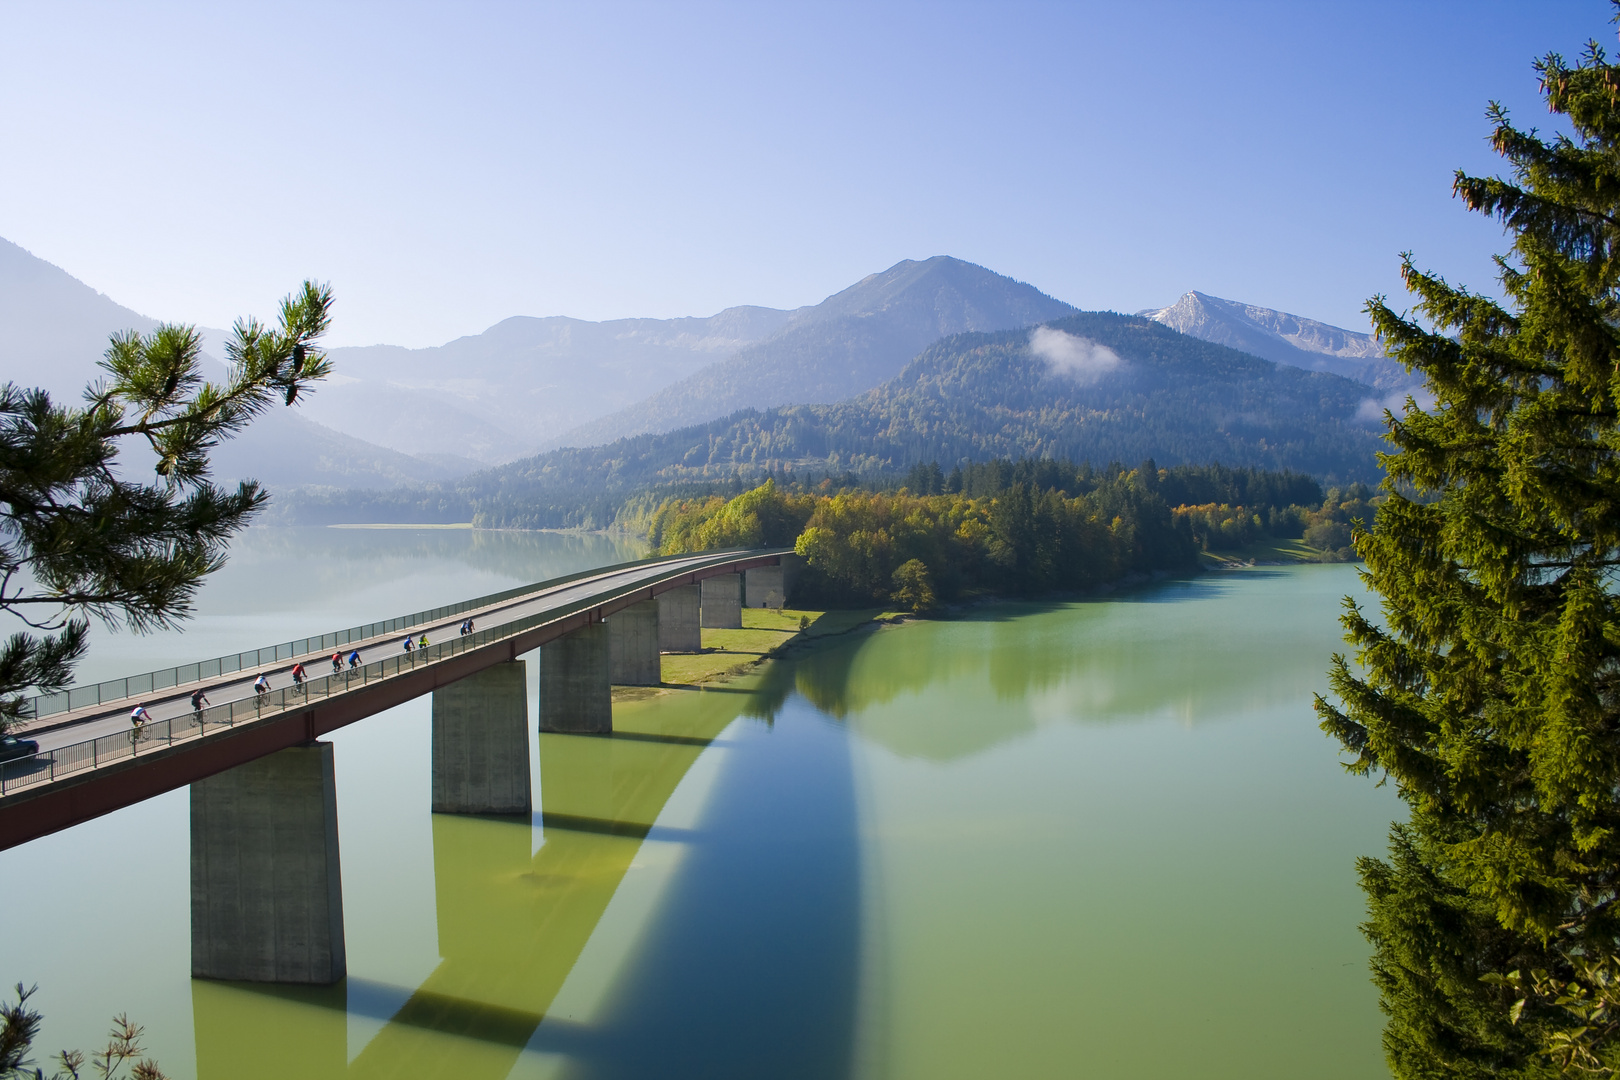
[[337, 663], [199, 700], [409, 644], [470, 627], [298, 674], [261, 686], [138, 717], [423, 643], [354, 659]]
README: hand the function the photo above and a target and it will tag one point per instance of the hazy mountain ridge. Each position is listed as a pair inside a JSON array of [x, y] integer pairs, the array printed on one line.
[[285, 450], [494, 395], [849, 343], [1285, 339], [54, 329], [965, 396], [1153, 392]]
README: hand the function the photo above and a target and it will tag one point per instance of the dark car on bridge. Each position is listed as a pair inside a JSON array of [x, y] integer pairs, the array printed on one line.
[[12, 748]]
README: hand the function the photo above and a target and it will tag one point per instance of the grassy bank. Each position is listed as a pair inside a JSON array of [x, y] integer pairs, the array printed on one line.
[[728, 653]]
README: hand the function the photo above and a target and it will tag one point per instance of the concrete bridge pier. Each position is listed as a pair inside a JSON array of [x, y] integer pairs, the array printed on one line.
[[678, 622], [764, 586], [266, 889], [633, 645], [722, 601], [576, 688], [481, 743]]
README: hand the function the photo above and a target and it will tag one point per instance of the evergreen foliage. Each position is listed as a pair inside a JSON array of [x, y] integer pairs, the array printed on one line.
[[19, 1027], [1490, 689], [78, 538]]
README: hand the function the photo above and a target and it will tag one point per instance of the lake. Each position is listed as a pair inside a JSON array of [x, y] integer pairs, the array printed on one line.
[[1099, 838]]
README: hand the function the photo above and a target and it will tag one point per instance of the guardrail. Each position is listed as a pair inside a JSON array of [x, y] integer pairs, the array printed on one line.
[[83, 697], [49, 765]]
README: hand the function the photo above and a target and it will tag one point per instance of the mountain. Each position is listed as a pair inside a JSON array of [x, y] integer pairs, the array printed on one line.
[[54, 328], [848, 343], [529, 384], [510, 390], [1095, 386], [283, 450], [1286, 339]]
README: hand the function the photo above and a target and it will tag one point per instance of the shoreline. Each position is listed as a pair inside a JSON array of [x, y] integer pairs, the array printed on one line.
[[736, 653]]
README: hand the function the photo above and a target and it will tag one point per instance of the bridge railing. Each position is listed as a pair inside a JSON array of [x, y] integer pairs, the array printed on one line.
[[83, 697], [49, 765]]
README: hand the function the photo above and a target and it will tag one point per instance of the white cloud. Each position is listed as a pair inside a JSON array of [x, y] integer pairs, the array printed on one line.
[[1081, 359], [1372, 409]]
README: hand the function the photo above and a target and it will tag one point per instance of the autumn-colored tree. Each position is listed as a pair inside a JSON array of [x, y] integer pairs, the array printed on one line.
[[914, 586]]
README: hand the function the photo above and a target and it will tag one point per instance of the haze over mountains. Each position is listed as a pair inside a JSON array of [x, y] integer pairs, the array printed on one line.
[[1095, 386], [823, 383], [54, 328], [847, 344], [506, 392], [528, 384]]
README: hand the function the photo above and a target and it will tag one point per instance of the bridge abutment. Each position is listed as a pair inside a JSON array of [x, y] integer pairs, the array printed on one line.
[[678, 620], [481, 743], [266, 887], [633, 645], [722, 602], [576, 688]]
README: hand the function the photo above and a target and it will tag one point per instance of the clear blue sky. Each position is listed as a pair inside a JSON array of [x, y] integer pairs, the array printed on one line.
[[448, 165]]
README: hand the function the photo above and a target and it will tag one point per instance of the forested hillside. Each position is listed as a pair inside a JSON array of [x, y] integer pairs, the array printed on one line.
[[1030, 526], [1097, 387]]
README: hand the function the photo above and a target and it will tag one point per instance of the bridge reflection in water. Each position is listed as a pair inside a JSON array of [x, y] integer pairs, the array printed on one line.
[[512, 923]]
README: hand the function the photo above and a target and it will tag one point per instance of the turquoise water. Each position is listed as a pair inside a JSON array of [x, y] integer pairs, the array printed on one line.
[[1085, 839]]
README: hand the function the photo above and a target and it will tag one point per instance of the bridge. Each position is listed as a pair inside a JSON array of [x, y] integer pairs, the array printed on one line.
[[265, 875]]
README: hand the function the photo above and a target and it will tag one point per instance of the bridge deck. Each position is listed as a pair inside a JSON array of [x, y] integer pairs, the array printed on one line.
[[92, 762]]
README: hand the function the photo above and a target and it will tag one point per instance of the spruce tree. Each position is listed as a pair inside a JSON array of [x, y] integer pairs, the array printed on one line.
[[1490, 689]]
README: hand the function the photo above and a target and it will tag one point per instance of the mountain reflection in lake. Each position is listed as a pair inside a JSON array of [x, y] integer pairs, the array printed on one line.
[[1099, 838]]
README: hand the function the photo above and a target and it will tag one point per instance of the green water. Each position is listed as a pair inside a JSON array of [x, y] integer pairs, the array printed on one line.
[[1099, 839]]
